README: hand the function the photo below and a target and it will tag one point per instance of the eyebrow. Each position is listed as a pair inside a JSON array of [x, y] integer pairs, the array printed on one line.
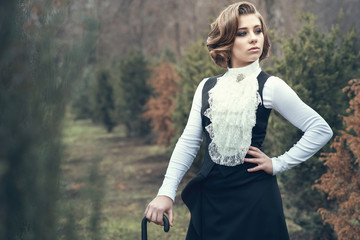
[[243, 28]]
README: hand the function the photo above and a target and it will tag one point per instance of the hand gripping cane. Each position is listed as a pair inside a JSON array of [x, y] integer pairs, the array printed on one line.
[[144, 227]]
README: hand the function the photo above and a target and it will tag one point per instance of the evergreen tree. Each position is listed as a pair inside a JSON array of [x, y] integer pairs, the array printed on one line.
[[81, 94], [168, 55], [81, 102], [103, 99], [160, 106], [317, 66], [133, 93], [194, 67], [341, 182]]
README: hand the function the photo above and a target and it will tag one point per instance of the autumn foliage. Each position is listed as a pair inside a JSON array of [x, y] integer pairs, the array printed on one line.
[[161, 105], [341, 182]]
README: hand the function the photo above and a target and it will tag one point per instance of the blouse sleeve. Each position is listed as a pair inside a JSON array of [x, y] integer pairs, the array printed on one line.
[[279, 96], [186, 148]]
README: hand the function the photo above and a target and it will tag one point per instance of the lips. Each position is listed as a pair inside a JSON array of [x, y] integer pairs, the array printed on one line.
[[254, 49]]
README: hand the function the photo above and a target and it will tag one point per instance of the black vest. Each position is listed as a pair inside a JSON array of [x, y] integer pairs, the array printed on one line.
[[258, 131]]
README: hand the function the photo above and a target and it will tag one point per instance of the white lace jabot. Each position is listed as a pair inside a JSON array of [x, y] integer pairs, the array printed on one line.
[[232, 112]]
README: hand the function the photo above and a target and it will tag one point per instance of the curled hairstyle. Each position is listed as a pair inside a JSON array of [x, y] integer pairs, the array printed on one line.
[[224, 29]]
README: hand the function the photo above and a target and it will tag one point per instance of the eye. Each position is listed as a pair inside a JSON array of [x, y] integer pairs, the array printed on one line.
[[258, 31], [241, 33]]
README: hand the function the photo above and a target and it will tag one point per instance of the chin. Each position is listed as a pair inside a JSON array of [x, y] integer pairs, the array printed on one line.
[[255, 58]]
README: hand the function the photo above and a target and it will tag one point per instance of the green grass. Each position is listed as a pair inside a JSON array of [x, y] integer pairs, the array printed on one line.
[[128, 176]]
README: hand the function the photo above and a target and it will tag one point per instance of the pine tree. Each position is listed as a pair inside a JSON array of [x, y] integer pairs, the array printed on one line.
[[194, 67], [341, 182], [160, 106], [103, 99], [81, 94], [81, 99], [317, 66], [133, 93]]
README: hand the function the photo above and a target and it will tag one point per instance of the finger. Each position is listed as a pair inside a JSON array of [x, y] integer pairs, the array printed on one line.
[[171, 216], [248, 160], [146, 210], [148, 216], [255, 169], [254, 153], [159, 218], [252, 160], [253, 148], [152, 216]]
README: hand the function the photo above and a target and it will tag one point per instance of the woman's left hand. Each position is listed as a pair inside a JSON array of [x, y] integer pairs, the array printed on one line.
[[261, 159]]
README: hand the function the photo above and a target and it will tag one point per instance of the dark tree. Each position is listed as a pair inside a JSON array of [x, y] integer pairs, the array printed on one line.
[[104, 99], [133, 93]]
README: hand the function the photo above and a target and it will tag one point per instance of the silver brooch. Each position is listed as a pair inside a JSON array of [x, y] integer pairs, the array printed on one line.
[[240, 77]]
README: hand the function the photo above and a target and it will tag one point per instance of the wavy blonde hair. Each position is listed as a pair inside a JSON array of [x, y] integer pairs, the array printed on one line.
[[224, 29]]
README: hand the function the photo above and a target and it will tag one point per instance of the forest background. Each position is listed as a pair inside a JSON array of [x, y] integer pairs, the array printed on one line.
[[94, 95]]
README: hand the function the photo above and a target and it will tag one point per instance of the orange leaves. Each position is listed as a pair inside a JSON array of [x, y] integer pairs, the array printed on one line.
[[77, 186], [161, 105], [353, 120], [345, 228], [341, 182], [120, 186]]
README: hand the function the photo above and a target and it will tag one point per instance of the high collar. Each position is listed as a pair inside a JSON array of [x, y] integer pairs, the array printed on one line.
[[247, 70]]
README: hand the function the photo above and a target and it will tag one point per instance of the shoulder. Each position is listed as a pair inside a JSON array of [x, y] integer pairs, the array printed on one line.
[[200, 86], [263, 75], [209, 82], [202, 83], [270, 79], [276, 91], [213, 78], [274, 82]]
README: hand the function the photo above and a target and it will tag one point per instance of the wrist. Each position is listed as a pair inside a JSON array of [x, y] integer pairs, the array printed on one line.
[[165, 197]]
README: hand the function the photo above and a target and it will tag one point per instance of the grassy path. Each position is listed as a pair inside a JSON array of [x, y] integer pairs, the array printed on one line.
[[127, 176]]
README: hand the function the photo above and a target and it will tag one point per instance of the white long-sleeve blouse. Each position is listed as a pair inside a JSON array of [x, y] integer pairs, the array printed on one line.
[[276, 95]]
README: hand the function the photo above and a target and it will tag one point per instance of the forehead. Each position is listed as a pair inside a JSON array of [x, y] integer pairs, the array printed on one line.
[[248, 21]]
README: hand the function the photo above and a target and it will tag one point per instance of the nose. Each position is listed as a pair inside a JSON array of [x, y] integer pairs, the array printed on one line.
[[253, 38]]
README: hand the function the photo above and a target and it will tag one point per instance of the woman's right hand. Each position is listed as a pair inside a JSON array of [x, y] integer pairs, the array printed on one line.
[[157, 207]]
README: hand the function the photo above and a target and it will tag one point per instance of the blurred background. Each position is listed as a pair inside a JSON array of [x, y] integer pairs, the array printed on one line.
[[94, 94]]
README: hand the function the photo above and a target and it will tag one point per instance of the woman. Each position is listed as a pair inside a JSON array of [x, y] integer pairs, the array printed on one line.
[[235, 195]]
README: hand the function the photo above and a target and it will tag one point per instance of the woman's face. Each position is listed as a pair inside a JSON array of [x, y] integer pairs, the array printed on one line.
[[249, 41]]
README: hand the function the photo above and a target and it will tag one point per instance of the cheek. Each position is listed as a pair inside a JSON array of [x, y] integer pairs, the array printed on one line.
[[238, 44], [262, 40]]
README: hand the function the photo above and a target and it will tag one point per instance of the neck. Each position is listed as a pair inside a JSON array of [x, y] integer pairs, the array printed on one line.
[[246, 70], [235, 65]]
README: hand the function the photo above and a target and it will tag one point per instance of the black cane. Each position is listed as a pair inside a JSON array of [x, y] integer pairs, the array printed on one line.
[[144, 227]]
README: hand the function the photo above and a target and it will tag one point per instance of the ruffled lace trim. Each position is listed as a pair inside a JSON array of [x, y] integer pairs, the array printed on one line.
[[232, 111]]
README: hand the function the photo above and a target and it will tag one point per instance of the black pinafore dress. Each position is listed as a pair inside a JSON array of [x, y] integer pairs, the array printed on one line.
[[229, 203]]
